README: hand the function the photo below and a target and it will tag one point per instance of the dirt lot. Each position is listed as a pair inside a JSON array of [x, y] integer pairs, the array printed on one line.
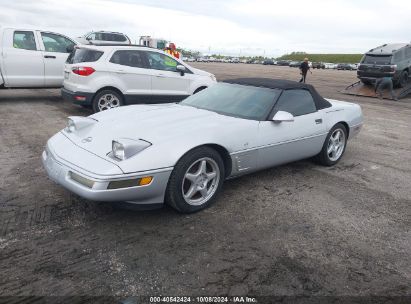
[[299, 229]]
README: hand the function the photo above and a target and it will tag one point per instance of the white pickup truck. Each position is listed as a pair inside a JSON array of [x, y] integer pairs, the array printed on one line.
[[32, 58]]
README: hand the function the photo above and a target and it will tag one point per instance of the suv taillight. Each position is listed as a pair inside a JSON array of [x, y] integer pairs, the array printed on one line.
[[83, 71]]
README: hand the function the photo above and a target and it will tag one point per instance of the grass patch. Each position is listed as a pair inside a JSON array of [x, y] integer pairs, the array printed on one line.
[[333, 58]]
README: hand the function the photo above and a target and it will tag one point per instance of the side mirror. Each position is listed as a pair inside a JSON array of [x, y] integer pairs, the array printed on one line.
[[281, 116], [181, 69], [88, 38]]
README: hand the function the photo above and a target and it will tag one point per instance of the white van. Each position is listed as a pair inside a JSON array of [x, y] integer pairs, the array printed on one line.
[[32, 58]]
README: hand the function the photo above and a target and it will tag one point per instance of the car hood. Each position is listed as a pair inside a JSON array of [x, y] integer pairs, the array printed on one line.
[[153, 123]]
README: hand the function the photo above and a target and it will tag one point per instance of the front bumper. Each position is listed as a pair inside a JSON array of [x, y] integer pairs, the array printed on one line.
[[60, 171], [80, 98]]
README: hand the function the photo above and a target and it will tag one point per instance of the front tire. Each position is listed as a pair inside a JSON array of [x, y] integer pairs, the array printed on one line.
[[334, 146], [199, 90], [196, 180], [107, 99]]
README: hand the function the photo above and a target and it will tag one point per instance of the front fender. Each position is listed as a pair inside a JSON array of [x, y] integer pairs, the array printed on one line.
[[200, 83], [164, 154]]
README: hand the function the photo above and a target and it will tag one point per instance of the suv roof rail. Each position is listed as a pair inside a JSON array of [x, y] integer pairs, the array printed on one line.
[[389, 48], [103, 31], [120, 44]]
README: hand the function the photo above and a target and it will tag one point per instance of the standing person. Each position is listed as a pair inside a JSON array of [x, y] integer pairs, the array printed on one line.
[[172, 50], [304, 68], [382, 84]]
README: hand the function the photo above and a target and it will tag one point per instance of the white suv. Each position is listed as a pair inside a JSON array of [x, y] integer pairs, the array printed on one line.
[[104, 37], [105, 77]]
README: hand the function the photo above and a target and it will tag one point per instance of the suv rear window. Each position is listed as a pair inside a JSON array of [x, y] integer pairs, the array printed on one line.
[[377, 59], [84, 55]]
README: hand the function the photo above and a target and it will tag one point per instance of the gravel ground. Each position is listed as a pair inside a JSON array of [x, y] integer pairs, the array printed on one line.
[[298, 229]]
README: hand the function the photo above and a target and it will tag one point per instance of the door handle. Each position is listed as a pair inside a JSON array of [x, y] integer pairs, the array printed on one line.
[[50, 56], [318, 121], [160, 75], [120, 72]]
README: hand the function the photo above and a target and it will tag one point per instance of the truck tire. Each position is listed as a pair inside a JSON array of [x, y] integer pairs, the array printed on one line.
[[403, 79]]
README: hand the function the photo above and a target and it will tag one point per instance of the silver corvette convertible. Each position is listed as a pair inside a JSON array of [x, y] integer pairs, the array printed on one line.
[[182, 153]]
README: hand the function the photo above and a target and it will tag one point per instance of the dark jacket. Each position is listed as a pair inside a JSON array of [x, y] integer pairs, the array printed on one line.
[[304, 67]]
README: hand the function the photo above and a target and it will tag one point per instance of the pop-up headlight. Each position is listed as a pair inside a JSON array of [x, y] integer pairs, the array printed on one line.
[[125, 148], [75, 123]]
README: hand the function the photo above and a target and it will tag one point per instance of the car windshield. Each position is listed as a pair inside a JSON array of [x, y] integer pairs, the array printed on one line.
[[379, 59], [235, 100]]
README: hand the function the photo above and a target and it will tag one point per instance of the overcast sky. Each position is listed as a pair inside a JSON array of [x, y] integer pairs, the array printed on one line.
[[233, 27]]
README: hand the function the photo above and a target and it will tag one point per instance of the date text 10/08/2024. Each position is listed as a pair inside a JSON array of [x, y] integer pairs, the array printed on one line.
[[204, 299]]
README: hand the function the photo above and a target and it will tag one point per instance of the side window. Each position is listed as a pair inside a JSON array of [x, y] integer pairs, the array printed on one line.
[[297, 102], [399, 55], [24, 40], [109, 37], [120, 38], [130, 58], [56, 43], [98, 36], [106, 37], [159, 61], [92, 36]]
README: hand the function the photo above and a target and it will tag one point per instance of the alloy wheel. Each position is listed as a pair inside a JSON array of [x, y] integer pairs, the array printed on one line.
[[108, 101], [336, 145], [200, 181]]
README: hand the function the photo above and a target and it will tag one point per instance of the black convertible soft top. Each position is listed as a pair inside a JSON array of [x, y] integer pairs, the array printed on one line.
[[282, 84]]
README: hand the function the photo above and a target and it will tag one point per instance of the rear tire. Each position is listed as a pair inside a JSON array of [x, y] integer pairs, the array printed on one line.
[[107, 99], [334, 146], [403, 79], [196, 180]]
